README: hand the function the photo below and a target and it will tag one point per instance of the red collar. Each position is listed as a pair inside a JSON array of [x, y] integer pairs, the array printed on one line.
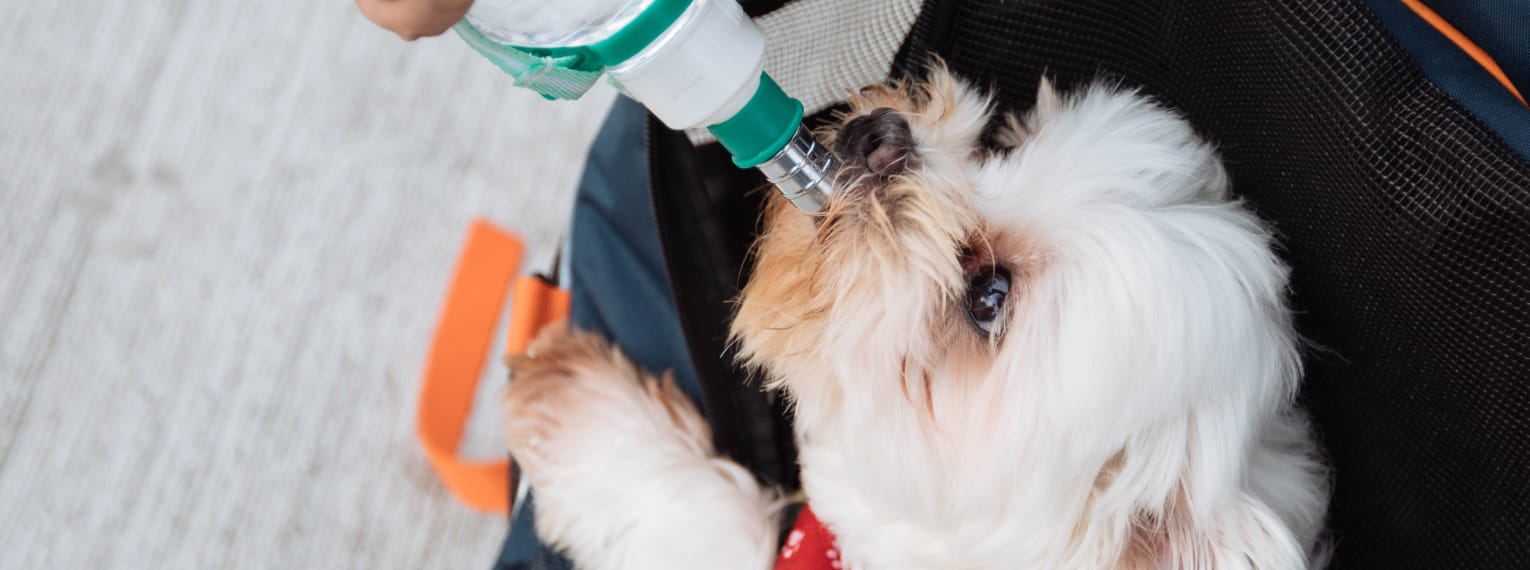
[[809, 546]]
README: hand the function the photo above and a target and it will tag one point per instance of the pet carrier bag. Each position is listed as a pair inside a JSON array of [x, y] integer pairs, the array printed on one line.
[[1384, 139]]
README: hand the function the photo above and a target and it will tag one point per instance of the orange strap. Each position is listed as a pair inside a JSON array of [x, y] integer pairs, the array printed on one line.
[[536, 303], [490, 259], [1466, 44]]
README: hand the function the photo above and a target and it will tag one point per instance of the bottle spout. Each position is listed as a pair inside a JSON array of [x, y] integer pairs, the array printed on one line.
[[803, 171], [767, 133]]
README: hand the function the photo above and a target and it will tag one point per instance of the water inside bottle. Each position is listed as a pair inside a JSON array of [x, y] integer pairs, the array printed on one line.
[[540, 23]]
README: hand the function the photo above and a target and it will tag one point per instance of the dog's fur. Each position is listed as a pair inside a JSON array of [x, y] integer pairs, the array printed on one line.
[[1132, 411]]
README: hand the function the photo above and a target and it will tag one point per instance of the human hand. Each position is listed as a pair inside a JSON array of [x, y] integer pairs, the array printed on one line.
[[413, 19]]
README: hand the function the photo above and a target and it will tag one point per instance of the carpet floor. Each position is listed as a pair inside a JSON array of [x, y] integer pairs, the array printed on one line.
[[225, 233]]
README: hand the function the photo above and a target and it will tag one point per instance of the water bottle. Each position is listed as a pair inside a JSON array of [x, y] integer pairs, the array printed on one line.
[[692, 63]]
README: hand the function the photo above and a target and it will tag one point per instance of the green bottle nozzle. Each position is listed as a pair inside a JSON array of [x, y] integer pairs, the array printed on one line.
[[767, 134], [762, 127]]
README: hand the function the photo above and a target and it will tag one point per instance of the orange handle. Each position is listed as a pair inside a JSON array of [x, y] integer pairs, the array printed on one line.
[[489, 260], [536, 304]]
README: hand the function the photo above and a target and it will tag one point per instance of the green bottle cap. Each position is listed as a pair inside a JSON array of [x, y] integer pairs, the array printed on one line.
[[762, 128]]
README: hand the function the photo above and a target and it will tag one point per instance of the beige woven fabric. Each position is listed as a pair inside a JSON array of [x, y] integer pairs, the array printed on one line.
[[822, 50]]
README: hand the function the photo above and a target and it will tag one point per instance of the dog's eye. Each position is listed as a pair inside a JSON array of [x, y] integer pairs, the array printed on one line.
[[986, 294]]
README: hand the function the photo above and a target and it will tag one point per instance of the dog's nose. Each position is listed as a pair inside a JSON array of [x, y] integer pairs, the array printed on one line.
[[879, 141]]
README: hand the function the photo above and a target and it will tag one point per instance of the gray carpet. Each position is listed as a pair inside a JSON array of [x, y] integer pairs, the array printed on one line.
[[225, 231]]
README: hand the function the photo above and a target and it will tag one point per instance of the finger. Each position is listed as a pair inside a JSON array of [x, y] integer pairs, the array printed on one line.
[[411, 19]]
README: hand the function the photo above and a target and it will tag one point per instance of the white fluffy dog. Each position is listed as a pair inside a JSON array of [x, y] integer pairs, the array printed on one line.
[[1071, 352]]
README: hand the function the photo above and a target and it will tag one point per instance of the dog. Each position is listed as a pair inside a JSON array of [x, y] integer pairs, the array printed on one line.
[[1066, 349]]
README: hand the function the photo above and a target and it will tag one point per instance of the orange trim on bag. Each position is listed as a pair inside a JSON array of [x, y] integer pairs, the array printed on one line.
[[490, 259], [536, 303], [1466, 44]]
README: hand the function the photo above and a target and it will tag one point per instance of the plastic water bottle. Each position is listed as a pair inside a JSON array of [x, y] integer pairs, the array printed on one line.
[[693, 63]]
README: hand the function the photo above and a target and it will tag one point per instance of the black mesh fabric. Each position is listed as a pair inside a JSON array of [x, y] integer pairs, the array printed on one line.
[[1407, 223]]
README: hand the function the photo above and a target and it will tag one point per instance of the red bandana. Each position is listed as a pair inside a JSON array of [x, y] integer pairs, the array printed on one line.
[[809, 546]]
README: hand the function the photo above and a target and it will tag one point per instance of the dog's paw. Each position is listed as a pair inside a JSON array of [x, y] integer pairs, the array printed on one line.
[[622, 465], [571, 388]]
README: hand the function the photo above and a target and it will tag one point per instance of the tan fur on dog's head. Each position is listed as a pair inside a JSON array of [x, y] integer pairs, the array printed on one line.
[[886, 246]]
